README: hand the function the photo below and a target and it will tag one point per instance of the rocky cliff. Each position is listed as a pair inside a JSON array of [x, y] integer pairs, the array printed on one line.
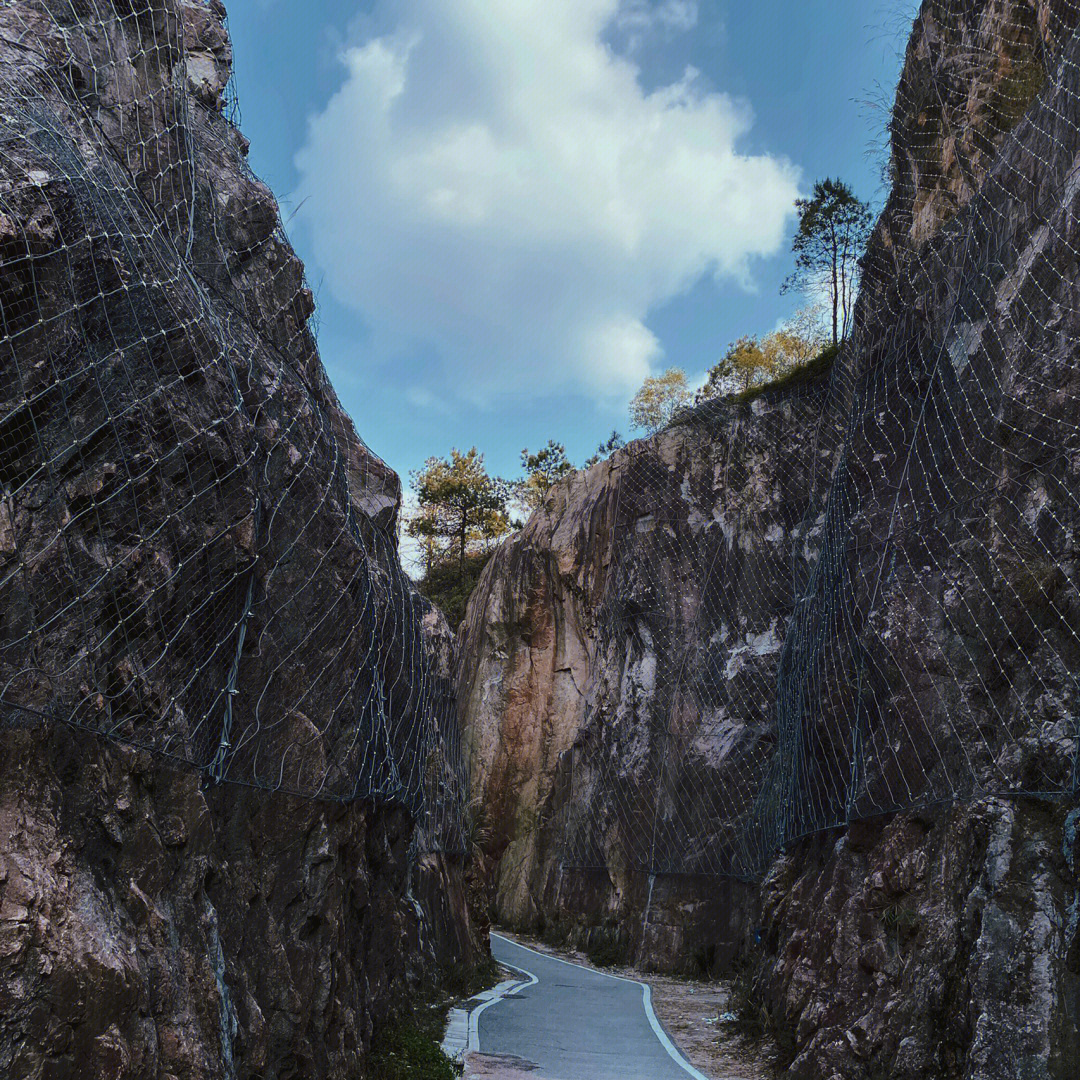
[[618, 660], [826, 639], [229, 788], [947, 936]]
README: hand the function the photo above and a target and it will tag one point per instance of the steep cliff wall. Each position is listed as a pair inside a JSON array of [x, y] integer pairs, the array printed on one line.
[[828, 639], [617, 666], [948, 936], [229, 789]]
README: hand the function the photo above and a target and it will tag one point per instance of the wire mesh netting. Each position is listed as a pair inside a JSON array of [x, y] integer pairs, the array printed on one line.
[[858, 594], [197, 554]]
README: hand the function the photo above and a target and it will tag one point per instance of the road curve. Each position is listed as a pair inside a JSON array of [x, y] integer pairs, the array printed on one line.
[[573, 1023]]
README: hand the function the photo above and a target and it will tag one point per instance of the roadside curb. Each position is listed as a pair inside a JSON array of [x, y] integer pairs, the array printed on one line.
[[463, 1023]]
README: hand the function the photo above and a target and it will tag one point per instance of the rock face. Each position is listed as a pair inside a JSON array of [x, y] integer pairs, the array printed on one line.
[[152, 928], [949, 937], [827, 639], [616, 672], [230, 786], [931, 945]]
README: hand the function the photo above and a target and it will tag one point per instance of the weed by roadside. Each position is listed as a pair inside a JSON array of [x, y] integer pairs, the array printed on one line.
[[407, 1051], [757, 1021], [464, 980], [410, 1048]]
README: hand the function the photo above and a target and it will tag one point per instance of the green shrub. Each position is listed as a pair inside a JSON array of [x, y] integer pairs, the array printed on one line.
[[1018, 88], [817, 368], [464, 980], [448, 586], [1034, 579], [703, 960], [410, 1047], [757, 1021], [555, 933], [753, 1018], [901, 923], [405, 1052], [605, 950]]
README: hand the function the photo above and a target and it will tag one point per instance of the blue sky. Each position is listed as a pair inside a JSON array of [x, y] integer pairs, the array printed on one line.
[[511, 210]]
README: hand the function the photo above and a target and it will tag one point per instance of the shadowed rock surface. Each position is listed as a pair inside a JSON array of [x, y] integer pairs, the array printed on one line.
[[202, 614]]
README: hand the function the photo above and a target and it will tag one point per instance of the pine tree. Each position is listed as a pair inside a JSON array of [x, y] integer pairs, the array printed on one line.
[[834, 227]]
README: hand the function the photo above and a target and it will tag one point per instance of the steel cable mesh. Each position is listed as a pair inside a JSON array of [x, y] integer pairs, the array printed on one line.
[[197, 554], [859, 595]]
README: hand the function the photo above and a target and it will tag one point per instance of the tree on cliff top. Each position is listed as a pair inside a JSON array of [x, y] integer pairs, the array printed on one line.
[[659, 399], [834, 227], [745, 363], [460, 507], [613, 442], [751, 361], [461, 512], [542, 469]]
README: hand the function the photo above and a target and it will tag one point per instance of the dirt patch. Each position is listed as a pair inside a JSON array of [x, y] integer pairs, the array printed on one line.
[[499, 1067], [696, 1015]]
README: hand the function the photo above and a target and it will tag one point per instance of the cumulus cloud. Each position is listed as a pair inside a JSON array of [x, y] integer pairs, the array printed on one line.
[[492, 183]]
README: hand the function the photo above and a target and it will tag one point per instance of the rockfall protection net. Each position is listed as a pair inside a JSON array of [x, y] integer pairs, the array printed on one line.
[[197, 554], [859, 595]]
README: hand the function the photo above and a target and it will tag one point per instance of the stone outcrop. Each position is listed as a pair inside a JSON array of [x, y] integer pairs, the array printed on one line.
[[227, 779], [838, 655], [934, 945], [149, 927], [633, 627]]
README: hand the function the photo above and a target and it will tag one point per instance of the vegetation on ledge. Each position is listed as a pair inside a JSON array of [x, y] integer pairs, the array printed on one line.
[[449, 584], [816, 368], [410, 1050], [411, 1047]]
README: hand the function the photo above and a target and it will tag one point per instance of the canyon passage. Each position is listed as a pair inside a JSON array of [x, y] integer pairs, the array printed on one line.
[[781, 697]]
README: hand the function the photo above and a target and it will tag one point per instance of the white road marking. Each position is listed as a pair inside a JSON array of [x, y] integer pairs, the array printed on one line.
[[463, 1028], [514, 988], [646, 1000]]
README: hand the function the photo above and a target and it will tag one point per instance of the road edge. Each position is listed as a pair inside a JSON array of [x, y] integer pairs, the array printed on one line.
[[462, 1035]]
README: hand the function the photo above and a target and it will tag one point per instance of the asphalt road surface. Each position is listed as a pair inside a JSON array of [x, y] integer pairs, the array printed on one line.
[[577, 1024]]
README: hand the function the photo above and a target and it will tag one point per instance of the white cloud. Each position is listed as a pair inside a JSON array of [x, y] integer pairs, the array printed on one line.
[[492, 182], [421, 397], [639, 19]]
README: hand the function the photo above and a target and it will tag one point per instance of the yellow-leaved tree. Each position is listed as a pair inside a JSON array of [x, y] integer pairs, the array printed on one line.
[[661, 396]]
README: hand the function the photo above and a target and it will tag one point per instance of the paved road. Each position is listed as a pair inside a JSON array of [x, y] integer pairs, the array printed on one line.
[[577, 1024]]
